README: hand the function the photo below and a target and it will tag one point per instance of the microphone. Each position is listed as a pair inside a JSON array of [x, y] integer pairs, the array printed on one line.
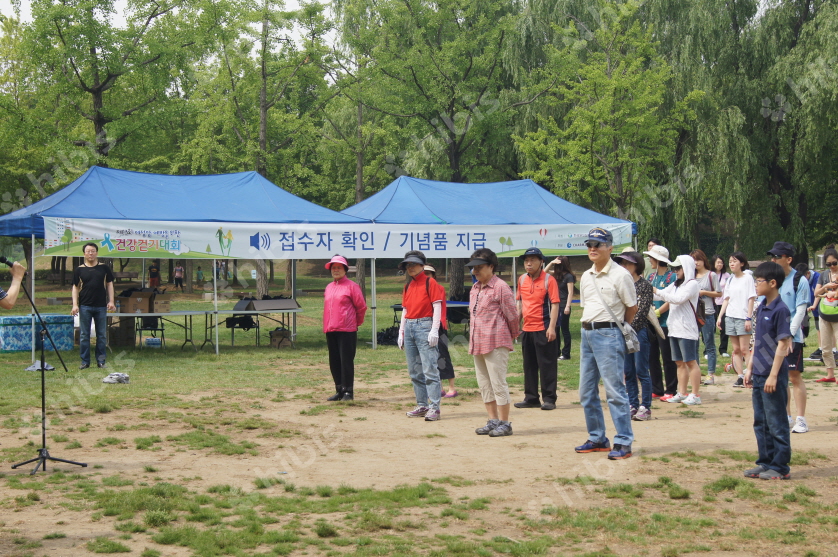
[[6, 261]]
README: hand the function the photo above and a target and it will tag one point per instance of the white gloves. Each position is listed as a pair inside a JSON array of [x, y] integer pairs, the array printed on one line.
[[400, 341], [433, 338]]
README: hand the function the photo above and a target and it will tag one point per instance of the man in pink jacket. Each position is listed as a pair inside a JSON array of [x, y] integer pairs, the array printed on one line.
[[343, 312]]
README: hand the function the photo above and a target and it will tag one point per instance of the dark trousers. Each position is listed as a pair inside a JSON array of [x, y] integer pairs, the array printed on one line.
[[539, 355], [342, 347], [563, 336], [723, 338], [659, 350], [771, 425], [446, 368]]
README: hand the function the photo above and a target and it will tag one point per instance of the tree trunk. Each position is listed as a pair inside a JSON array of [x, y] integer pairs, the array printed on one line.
[[187, 280], [261, 278], [63, 273], [361, 275], [286, 268], [235, 280], [171, 278], [123, 265], [456, 291], [271, 264], [27, 252]]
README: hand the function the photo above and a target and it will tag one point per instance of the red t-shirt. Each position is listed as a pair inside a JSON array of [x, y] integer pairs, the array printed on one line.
[[418, 298], [535, 307]]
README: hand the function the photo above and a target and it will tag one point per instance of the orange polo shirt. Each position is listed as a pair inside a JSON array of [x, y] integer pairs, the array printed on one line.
[[417, 298], [535, 307]]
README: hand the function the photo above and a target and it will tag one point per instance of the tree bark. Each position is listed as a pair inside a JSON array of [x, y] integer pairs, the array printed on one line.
[[261, 278], [456, 290], [286, 269], [187, 280], [171, 278], [271, 264], [63, 273]]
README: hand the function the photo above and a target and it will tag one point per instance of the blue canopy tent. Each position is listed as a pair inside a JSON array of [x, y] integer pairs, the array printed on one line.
[[106, 193], [414, 201]]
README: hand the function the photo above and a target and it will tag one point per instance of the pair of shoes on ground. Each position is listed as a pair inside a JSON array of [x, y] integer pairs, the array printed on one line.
[[765, 473], [619, 452], [117, 378], [429, 414], [545, 406], [495, 428], [642, 414], [689, 400], [100, 365]]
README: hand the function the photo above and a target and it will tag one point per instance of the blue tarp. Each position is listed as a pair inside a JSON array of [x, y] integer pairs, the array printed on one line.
[[414, 201], [106, 193]]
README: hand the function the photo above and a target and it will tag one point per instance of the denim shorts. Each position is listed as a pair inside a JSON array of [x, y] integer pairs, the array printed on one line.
[[683, 349], [735, 327]]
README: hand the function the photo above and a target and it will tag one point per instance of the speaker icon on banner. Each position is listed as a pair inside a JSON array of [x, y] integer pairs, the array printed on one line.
[[260, 240]]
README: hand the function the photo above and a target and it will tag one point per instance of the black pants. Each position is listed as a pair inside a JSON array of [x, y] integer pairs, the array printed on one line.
[[659, 348], [446, 368], [539, 355], [723, 338], [563, 336], [342, 347]]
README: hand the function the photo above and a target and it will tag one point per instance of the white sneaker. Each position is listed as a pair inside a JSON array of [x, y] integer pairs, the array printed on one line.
[[705, 356], [725, 355], [677, 398], [692, 400], [800, 425]]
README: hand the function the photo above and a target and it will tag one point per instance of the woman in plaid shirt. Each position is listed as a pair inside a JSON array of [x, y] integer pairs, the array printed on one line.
[[493, 327]]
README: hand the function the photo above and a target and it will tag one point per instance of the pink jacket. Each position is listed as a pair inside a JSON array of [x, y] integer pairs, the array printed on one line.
[[344, 307]]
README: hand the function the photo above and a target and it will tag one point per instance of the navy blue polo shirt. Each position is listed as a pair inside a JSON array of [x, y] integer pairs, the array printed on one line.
[[772, 326]]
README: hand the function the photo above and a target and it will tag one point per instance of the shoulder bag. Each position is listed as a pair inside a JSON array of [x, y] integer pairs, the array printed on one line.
[[629, 334]]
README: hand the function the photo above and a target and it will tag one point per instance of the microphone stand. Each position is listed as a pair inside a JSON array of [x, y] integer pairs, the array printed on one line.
[[43, 453]]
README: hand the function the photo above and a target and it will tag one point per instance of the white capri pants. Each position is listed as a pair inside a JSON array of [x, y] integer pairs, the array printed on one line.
[[491, 375]]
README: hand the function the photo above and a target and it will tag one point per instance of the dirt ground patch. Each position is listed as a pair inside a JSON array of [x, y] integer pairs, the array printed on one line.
[[537, 487]]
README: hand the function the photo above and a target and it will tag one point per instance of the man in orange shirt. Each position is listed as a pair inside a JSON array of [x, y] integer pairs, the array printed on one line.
[[538, 305]]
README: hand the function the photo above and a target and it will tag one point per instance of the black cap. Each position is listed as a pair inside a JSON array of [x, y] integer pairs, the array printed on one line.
[[533, 251], [476, 262], [782, 248], [413, 256]]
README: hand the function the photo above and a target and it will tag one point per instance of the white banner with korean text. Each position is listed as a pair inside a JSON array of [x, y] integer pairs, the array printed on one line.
[[209, 240]]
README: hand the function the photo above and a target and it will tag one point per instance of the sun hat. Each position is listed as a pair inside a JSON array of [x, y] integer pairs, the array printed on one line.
[[430, 268], [413, 256], [660, 253], [338, 259], [626, 257]]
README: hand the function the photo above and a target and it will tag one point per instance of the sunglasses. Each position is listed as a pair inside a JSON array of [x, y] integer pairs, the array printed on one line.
[[596, 245], [832, 264]]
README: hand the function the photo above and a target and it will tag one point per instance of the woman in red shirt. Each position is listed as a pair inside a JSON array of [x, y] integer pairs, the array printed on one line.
[[343, 312], [419, 334]]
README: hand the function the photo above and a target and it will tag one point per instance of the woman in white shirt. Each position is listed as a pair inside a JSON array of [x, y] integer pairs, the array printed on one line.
[[682, 296], [737, 309]]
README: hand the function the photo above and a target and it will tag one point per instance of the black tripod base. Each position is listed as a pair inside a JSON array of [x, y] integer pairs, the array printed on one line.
[[42, 458]]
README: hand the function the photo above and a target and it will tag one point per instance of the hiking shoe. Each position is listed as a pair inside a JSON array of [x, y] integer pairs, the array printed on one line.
[[548, 406], [526, 404], [816, 355], [418, 412], [711, 380], [503, 429], [347, 396], [486, 429], [773, 475], [593, 447], [432, 415], [620, 452], [337, 396], [740, 382], [800, 425], [643, 414], [755, 472], [677, 398], [692, 400]]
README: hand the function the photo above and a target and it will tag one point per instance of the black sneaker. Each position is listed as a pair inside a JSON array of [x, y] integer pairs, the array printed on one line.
[[84, 366], [337, 396], [816, 355], [526, 404], [740, 383], [503, 429]]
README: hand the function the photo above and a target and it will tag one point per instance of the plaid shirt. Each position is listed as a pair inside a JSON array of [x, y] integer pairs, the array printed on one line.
[[494, 317]]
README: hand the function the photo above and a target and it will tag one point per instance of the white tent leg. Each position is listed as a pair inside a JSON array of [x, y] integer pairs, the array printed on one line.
[[294, 297], [215, 300], [32, 278], [374, 319]]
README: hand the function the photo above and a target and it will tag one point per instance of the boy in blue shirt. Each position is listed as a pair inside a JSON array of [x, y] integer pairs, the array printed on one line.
[[768, 374]]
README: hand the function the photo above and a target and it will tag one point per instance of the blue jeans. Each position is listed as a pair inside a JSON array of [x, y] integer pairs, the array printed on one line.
[[422, 362], [771, 425], [637, 368], [99, 316], [708, 334], [603, 355]]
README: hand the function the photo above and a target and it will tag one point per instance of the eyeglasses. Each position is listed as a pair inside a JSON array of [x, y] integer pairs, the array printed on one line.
[[595, 245], [832, 264], [760, 281]]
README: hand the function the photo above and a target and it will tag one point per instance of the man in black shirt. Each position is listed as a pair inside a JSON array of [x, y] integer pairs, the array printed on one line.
[[92, 298]]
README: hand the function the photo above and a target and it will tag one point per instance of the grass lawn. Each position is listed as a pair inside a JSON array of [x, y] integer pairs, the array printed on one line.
[[240, 455]]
